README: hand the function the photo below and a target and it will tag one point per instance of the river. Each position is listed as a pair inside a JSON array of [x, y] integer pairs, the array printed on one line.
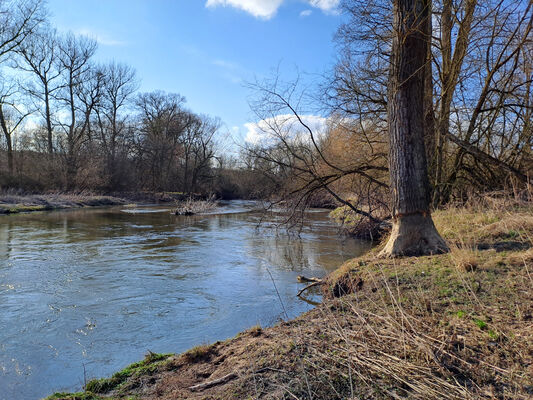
[[85, 292]]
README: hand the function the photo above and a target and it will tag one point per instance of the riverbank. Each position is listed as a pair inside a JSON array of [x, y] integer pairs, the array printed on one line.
[[13, 203], [452, 326]]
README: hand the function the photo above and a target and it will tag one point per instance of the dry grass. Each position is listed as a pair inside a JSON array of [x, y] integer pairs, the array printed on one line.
[[504, 224], [197, 353], [358, 226], [193, 206], [466, 259]]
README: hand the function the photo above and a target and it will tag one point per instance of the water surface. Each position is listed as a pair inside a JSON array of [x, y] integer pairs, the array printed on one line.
[[96, 289]]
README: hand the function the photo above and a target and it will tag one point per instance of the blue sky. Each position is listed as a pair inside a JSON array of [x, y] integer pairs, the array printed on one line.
[[207, 49]]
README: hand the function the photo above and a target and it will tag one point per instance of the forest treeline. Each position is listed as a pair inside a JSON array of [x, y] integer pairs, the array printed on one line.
[[70, 123]]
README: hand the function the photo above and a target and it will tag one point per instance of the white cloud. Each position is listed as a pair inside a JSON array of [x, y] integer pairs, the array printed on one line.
[[101, 38], [285, 125], [325, 5], [266, 9]]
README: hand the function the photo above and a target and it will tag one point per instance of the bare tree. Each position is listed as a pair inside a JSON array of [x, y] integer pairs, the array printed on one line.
[[12, 114], [39, 57], [160, 127], [486, 99], [80, 91], [478, 87], [18, 20], [306, 162], [119, 85], [198, 150], [413, 231]]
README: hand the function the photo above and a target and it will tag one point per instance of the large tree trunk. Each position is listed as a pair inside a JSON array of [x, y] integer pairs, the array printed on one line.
[[413, 231]]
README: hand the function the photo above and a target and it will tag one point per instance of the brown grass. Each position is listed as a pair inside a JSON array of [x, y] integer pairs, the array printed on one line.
[[465, 259], [193, 206]]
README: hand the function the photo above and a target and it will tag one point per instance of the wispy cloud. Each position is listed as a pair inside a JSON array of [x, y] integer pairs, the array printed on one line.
[[231, 71], [102, 38], [226, 64], [306, 13], [288, 126], [266, 9], [327, 6]]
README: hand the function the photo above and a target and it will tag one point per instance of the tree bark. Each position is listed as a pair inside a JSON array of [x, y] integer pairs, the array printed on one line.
[[48, 117], [413, 231], [7, 135]]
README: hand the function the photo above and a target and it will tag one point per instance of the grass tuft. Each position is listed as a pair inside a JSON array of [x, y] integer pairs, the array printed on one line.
[[198, 353]]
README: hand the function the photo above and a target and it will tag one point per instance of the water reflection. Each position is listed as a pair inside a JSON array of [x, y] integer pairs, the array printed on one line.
[[97, 288]]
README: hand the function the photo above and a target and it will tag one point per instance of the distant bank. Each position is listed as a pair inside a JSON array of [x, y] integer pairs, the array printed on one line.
[[13, 203]]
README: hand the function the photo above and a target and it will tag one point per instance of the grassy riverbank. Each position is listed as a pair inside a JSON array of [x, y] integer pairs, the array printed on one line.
[[453, 326]]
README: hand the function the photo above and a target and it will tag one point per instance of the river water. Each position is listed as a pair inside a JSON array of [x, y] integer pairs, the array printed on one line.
[[96, 289]]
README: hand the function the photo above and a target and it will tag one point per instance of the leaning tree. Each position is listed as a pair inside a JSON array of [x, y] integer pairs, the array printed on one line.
[[413, 231]]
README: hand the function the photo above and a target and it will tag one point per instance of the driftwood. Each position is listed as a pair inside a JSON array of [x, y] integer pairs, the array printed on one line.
[[219, 381], [302, 278], [315, 282]]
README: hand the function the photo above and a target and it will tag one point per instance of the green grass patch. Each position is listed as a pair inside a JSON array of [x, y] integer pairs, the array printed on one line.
[[145, 367], [480, 323]]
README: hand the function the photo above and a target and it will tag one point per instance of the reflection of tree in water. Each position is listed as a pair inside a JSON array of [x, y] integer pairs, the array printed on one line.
[[294, 253], [319, 248], [5, 241], [283, 251]]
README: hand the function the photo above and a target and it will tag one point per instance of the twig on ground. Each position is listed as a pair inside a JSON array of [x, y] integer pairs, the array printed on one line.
[[219, 381]]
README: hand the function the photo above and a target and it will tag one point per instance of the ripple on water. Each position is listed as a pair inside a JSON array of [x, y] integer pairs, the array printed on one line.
[[97, 288]]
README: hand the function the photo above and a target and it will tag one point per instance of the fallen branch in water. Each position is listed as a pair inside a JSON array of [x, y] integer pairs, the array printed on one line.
[[302, 278], [315, 282], [219, 381]]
